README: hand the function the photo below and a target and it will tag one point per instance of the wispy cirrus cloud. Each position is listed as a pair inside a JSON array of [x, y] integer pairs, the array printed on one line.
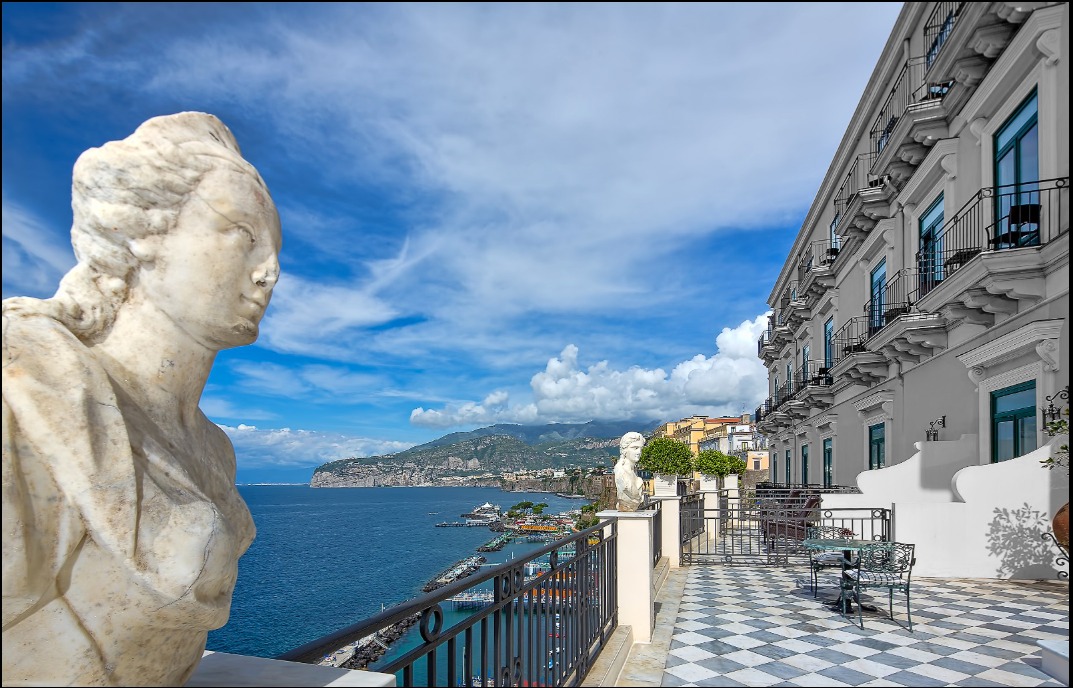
[[35, 255]]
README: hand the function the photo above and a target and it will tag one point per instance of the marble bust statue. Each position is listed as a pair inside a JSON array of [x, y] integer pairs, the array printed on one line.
[[627, 483], [122, 524]]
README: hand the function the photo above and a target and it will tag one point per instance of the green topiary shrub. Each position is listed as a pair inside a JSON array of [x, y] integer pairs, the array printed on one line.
[[713, 462], [666, 456]]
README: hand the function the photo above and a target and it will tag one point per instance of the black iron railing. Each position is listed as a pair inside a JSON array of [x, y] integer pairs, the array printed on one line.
[[818, 254], [767, 526], [994, 219], [763, 410], [858, 178], [850, 338], [691, 518], [765, 339], [657, 531], [779, 490], [895, 299], [909, 88], [938, 28], [789, 295], [812, 374], [541, 630]]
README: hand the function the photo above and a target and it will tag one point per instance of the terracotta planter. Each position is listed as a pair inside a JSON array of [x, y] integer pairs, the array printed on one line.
[[1060, 526]]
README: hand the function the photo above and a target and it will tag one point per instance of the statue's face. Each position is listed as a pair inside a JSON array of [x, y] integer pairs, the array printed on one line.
[[213, 273], [632, 451]]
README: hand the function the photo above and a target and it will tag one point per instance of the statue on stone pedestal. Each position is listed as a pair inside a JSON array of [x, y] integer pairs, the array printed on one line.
[[122, 524], [627, 483]]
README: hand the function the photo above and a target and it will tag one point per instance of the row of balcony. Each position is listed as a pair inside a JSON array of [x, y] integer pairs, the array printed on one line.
[[808, 389], [987, 258]]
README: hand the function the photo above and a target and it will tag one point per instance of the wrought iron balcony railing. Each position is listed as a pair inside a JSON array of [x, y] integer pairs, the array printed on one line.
[[818, 254], [764, 340], [994, 219], [540, 630], [850, 338], [939, 27], [910, 88], [812, 374], [892, 301], [857, 179]]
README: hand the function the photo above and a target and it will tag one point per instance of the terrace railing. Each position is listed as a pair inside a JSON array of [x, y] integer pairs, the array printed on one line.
[[892, 301], [657, 535], [995, 219], [858, 178], [850, 338], [765, 339], [812, 373], [909, 88], [543, 630], [818, 254], [939, 27]]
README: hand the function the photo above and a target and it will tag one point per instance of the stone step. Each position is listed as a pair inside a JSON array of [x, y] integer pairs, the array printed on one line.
[[1055, 659]]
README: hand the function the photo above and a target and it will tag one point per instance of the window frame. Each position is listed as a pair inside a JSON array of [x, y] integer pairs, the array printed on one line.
[[1016, 415], [873, 443]]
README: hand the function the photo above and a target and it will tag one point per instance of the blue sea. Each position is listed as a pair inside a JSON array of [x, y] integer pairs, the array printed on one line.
[[326, 558]]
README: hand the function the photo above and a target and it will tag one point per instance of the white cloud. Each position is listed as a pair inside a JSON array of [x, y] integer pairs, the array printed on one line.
[[311, 318], [561, 154], [284, 447], [731, 380], [215, 407], [35, 256]]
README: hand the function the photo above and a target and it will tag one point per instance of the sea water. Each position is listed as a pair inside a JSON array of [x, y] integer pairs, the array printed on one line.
[[326, 558]]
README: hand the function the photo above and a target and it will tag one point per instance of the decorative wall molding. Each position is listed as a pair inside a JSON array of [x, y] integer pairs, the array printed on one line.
[[1039, 337], [1049, 43], [883, 401]]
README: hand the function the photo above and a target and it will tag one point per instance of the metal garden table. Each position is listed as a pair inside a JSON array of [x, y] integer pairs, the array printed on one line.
[[848, 548]]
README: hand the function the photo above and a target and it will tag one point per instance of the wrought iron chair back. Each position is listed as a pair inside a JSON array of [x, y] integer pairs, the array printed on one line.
[[818, 561], [883, 565]]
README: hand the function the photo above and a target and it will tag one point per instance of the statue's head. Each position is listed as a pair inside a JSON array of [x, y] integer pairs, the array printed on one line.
[[174, 212], [630, 447]]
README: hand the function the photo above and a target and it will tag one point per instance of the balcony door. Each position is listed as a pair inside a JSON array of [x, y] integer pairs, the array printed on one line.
[[877, 446], [930, 255], [789, 470], [804, 464], [829, 343], [1017, 198], [828, 462], [875, 290]]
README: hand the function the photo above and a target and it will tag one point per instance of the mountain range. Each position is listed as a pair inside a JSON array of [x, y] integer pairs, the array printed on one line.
[[469, 457]]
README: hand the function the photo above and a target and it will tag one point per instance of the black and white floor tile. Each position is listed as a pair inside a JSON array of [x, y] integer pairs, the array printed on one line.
[[762, 627]]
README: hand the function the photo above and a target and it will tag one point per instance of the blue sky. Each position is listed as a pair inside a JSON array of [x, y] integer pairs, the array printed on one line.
[[491, 213]]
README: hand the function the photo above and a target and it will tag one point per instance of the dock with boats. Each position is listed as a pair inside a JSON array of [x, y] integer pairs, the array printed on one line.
[[456, 571]]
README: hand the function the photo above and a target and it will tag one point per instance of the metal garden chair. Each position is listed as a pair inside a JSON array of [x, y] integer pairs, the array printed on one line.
[[819, 560], [883, 565]]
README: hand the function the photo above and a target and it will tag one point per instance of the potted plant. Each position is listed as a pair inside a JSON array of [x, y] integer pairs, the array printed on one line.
[[1059, 459], [713, 465], [667, 458]]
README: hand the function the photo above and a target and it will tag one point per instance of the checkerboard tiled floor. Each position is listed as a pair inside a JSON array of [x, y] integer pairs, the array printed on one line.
[[762, 627]]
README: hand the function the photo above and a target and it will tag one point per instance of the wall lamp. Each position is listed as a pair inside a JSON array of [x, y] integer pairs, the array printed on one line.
[[932, 433], [1053, 414]]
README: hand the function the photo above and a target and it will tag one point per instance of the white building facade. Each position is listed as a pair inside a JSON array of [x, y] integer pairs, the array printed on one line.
[[928, 288]]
